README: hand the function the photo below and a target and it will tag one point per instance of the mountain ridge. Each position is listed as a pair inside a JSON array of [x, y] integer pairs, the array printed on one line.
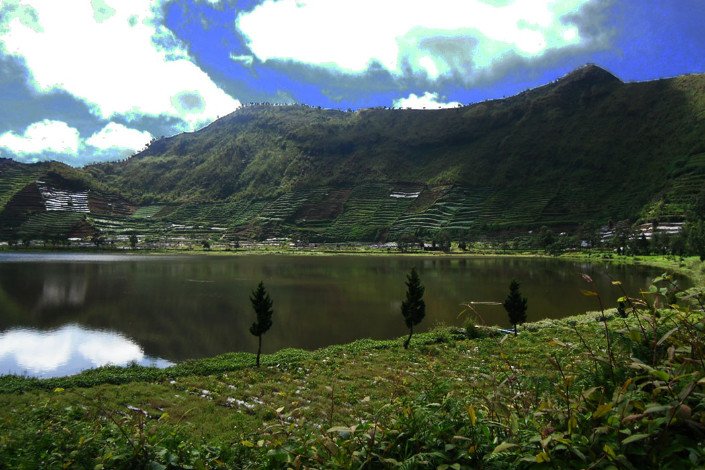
[[582, 150]]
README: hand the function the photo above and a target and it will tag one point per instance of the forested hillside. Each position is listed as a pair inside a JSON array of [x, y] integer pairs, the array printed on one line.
[[579, 152]]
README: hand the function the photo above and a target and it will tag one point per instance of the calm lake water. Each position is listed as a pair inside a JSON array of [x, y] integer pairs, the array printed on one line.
[[61, 313]]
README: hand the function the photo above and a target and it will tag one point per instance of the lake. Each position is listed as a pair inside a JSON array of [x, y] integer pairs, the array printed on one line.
[[64, 312]]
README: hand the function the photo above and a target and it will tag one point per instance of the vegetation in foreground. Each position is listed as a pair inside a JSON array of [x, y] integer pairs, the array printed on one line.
[[613, 389]]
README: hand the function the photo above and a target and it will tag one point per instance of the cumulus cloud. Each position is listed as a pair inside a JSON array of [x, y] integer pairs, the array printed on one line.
[[441, 39], [116, 136], [46, 136], [49, 138], [115, 56], [427, 101]]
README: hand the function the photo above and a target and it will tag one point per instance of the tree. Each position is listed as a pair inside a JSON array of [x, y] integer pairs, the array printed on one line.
[[133, 241], [413, 308], [695, 238], [262, 305], [546, 238], [442, 239], [97, 239], [406, 241], [698, 210], [641, 245], [515, 305]]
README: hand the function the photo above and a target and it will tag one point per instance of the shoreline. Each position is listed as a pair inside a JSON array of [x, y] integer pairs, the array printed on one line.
[[680, 265], [691, 268]]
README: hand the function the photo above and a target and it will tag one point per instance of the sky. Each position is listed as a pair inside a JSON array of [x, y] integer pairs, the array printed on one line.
[[85, 81]]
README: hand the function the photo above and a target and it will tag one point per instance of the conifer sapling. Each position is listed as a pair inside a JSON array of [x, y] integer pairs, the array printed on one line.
[[413, 308], [515, 305], [262, 305]]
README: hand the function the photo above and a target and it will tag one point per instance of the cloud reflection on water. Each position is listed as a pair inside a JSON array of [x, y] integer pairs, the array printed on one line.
[[67, 350]]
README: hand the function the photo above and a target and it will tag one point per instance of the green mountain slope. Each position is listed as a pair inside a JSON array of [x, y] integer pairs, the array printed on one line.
[[580, 151]]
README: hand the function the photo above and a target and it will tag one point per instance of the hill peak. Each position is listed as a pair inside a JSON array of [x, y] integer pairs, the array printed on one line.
[[589, 73]]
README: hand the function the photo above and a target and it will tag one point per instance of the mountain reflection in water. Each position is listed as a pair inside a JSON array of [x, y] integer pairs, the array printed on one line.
[[66, 351]]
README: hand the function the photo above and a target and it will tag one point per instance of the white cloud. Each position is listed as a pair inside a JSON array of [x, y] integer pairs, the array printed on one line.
[[42, 353], [436, 39], [102, 348], [115, 56], [45, 136], [427, 101], [48, 138], [115, 136]]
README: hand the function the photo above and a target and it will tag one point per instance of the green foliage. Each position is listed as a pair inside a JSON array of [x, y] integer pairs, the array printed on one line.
[[133, 240], [434, 430], [262, 305], [471, 329], [649, 413], [695, 238], [515, 305], [413, 309]]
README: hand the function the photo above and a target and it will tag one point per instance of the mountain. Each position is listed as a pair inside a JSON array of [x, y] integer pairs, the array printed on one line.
[[580, 151]]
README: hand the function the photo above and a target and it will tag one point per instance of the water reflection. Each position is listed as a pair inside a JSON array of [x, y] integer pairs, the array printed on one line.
[[180, 307], [59, 291], [66, 351]]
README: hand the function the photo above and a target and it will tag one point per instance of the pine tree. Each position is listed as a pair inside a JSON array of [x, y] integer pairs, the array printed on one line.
[[515, 305], [262, 305], [413, 308]]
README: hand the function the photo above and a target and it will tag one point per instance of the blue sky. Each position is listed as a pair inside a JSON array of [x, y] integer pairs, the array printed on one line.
[[95, 80]]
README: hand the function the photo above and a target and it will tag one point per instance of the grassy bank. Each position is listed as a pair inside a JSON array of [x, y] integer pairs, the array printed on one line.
[[593, 390]]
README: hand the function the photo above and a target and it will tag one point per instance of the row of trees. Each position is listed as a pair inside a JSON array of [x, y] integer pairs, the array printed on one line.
[[413, 308]]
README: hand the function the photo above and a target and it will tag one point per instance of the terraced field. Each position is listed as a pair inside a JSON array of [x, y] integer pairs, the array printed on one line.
[[287, 205], [467, 205], [12, 180], [687, 183], [54, 225], [147, 212], [229, 214], [457, 209], [375, 211], [504, 210], [570, 205], [316, 217], [368, 211]]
